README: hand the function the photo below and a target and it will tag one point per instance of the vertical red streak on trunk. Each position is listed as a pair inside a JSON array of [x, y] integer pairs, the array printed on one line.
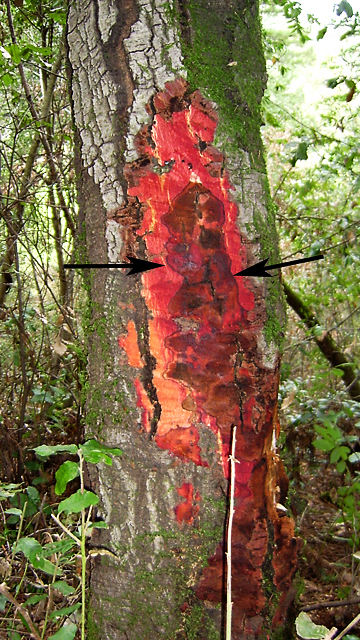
[[186, 511], [202, 325], [130, 346], [144, 403]]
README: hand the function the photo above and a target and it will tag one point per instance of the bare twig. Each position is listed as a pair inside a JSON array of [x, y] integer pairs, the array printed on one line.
[[331, 603], [62, 526]]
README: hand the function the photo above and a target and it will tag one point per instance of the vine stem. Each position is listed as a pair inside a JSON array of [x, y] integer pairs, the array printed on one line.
[[229, 532]]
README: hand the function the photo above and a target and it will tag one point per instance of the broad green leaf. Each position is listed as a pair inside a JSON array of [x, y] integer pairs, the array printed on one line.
[[60, 546], [78, 501], [323, 445], [65, 611], [95, 452], [63, 587], [15, 53], [324, 432], [334, 431], [67, 632], [344, 452], [306, 628], [39, 562], [28, 546], [341, 466], [45, 450], [67, 472], [33, 494], [7, 79], [14, 511], [335, 455]]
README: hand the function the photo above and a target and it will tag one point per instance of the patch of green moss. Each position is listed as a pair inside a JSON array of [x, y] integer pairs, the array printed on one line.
[[175, 568], [274, 328], [223, 57]]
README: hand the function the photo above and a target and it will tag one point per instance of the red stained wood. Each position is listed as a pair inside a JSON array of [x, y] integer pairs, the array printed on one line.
[[186, 511], [204, 332]]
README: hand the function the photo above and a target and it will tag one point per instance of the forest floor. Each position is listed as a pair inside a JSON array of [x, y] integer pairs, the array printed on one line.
[[327, 569]]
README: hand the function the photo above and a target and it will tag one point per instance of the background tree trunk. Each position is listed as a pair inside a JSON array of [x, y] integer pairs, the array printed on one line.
[[169, 159]]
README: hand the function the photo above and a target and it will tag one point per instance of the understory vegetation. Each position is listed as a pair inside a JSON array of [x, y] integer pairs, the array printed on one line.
[[311, 135]]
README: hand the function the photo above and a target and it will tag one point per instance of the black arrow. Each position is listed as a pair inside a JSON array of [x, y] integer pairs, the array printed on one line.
[[259, 269], [137, 266]]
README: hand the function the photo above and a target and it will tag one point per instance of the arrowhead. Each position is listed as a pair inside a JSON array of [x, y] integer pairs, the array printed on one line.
[[257, 269], [138, 265]]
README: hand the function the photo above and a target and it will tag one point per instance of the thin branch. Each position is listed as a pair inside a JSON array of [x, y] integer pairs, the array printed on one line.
[[67, 531], [331, 603]]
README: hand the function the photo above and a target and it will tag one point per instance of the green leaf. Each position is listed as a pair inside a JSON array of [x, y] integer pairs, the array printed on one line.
[[7, 79], [321, 33], [335, 455], [67, 632], [15, 53], [67, 472], [60, 546], [306, 628], [324, 432], [28, 546], [36, 598], [95, 452], [354, 458], [333, 82], [301, 151], [45, 450], [9, 490], [78, 501], [98, 525], [334, 432], [14, 511], [323, 445], [63, 587], [58, 16], [65, 611], [344, 6], [44, 565], [341, 466], [33, 495]]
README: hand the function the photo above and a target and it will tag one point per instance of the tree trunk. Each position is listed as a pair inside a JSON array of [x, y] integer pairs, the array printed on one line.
[[170, 168]]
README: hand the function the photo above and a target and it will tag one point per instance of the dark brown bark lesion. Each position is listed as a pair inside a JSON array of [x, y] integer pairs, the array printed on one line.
[[327, 345]]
